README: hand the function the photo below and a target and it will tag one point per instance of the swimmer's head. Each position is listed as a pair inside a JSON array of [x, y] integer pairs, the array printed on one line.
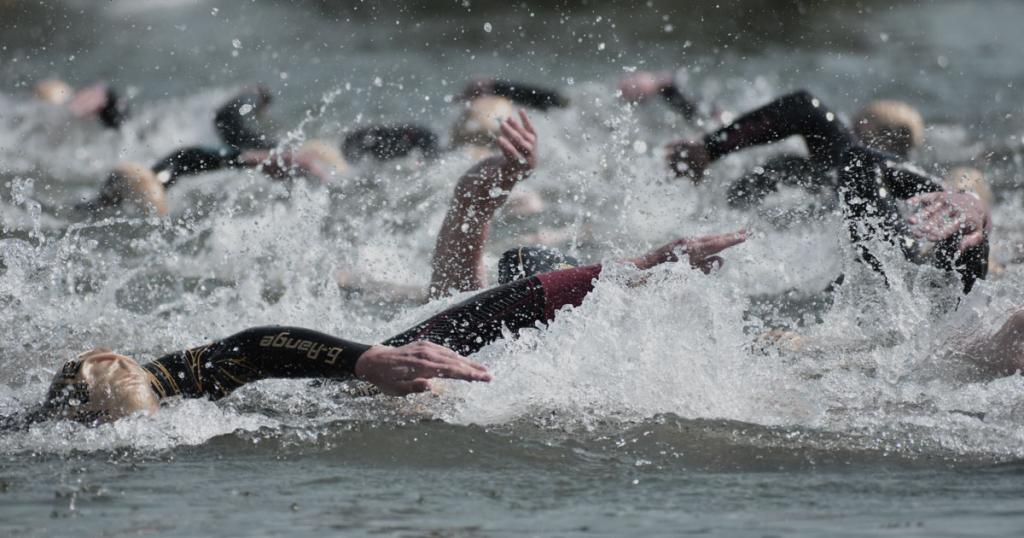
[[891, 126], [326, 154], [480, 122], [100, 385], [136, 184], [54, 91], [967, 179], [525, 262]]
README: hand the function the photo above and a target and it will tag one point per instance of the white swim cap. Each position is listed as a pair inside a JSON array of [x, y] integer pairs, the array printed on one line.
[[54, 91], [137, 184], [892, 126], [100, 385], [480, 122]]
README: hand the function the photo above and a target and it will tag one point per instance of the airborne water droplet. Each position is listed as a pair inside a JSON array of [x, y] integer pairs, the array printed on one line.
[[487, 27], [237, 43]]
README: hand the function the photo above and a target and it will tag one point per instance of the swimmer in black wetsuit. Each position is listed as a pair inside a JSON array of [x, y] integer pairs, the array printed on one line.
[[100, 100], [102, 385], [642, 85], [244, 145], [869, 183], [484, 97]]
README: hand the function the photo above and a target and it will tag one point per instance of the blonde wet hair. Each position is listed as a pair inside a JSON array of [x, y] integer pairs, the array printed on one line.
[[136, 184], [480, 123], [968, 179], [101, 385], [892, 126], [54, 91]]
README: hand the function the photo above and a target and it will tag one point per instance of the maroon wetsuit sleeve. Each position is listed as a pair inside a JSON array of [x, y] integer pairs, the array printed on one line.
[[567, 287], [483, 318]]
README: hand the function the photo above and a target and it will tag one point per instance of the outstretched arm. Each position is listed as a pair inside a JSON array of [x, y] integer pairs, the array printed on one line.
[[237, 120], [458, 256], [641, 85], [798, 113]]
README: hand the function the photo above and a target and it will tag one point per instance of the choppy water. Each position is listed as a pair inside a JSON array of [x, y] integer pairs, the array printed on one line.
[[642, 412]]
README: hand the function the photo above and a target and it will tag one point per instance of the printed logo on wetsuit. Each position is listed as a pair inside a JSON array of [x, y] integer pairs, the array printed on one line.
[[312, 349]]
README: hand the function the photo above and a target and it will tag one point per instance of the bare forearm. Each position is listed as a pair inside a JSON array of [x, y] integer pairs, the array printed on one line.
[[458, 255]]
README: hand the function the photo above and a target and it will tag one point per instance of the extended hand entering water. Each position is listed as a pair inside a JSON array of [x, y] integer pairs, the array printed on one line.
[[406, 369], [941, 215], [701, 251]]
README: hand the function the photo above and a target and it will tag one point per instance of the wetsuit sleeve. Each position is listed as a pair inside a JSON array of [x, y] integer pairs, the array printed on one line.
[[472, 324], [194, 160], [679, 102], [116, 112], [236, 121], [386, 142], [528, 95], [218, 368], [798, 113]]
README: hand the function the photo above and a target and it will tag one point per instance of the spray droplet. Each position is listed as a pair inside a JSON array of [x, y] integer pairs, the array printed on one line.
[[600, 46], [640, 147], [244, 109], [487, 27], [237, 43]]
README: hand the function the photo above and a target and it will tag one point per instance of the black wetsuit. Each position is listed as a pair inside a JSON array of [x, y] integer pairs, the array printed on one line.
[[116, 111], [525, 94], [216, 369], [386, 142], [237, 122], [678, 101], [869, 182]]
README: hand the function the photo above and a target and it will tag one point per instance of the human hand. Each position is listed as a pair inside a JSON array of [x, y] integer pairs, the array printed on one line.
[[688, 158], [407, 369], [518, 144], [701, 251], [942, 215]]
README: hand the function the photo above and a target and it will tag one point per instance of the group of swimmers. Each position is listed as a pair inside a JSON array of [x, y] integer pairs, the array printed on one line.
[[866, 166]]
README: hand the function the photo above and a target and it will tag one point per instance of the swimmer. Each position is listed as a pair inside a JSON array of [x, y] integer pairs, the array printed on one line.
[[486, 101], [100, 101], [640, 86], [869, 183], [891, 127], [102, 386]]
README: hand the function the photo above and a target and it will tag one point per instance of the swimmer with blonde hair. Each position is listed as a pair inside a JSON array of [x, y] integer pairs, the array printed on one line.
[[948, 230], [102, 386], [99, 100]]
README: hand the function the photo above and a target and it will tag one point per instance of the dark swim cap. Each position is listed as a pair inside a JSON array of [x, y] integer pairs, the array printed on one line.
[[523, 262]]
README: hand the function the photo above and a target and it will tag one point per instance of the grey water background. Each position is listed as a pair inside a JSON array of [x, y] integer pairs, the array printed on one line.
[[641, 413]]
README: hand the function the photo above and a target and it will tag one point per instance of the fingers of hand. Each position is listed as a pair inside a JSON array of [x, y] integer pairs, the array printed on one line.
[[527, 123], [514, 132], [509, 150], [713, 244], [710, 263], [972, 240]]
